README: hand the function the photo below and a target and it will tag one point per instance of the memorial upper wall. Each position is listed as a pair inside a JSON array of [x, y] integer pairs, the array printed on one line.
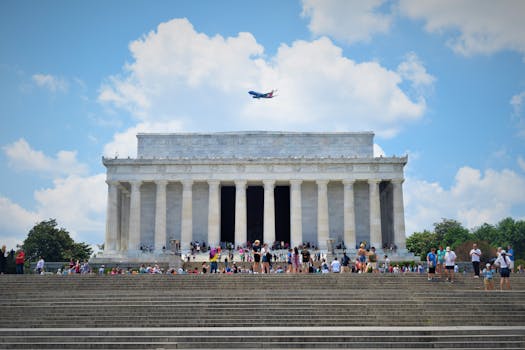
[[256, 145]]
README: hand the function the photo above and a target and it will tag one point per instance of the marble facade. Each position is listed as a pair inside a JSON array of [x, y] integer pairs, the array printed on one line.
[[287, 186]]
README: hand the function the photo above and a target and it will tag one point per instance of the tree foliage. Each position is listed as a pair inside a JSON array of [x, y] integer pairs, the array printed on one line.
[[451, 233], [420, 243], [53, 244]]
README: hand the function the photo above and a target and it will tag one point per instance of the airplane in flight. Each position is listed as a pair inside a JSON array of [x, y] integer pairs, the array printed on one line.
[[256, 94]]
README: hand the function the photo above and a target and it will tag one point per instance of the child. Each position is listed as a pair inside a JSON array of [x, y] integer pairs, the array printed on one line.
[[488, 275]]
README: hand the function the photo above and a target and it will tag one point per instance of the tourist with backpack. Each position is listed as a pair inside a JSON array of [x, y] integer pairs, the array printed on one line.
[[503, 261]]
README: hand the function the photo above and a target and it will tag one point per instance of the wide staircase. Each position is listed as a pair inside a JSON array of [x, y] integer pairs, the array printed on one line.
[[312, 311]]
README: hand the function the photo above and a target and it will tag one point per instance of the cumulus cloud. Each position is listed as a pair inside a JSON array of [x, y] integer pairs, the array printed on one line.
[[21, 156], [76, 200], [202, 82], [50, 82], [78, 203], [473, 199], [15, 220], [413, 70], [476, 26], [347, 20]]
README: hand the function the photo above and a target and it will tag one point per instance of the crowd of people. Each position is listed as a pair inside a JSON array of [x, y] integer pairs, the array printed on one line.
[[443, 262], [281, 258]]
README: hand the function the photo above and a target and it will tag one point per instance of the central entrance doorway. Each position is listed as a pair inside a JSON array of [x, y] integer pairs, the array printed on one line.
[[282, 214], [255, 213]]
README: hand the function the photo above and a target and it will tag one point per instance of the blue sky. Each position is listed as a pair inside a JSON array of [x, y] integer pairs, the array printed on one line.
[[441, 81]]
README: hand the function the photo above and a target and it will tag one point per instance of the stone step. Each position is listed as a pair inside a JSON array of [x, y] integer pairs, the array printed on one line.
[[184, 338], [283, 311]]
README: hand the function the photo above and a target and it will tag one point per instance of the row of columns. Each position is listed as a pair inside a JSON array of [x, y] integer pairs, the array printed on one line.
[[240, 214]]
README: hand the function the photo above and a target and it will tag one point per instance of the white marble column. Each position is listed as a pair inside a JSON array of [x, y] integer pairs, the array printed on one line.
[[186, 232], [160, 216], [399, 215], [240, 213], [134, 218], [322, 214], [375, 214], [214, 213], [269, 212], [110, 243], [124, 220], [349, 215], [296, 218]]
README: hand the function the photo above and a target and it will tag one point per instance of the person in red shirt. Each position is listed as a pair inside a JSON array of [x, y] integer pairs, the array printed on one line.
[[19, 261]]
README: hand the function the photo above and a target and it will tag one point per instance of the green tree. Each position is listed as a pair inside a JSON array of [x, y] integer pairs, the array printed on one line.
[[420, 243], [53, 244], [486, 232], [512, 232], [451, 233]]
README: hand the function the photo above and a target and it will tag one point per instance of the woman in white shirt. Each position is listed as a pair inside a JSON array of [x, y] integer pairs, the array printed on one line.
[[503, 262]]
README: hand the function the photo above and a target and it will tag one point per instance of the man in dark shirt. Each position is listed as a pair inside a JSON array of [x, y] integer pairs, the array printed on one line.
[[305, 253]]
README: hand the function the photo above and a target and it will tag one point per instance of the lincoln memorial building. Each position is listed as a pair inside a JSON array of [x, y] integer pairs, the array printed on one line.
[[237, 187]]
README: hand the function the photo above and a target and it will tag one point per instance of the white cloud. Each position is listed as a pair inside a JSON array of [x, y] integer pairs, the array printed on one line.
[[482, 26], [178, 74], [517, 104], [51, 82], [77, 203], [76, 200], [124, 144], [348, 20], [16, 222], [521, 163], [22, 157], [473, 199], [413, 70]]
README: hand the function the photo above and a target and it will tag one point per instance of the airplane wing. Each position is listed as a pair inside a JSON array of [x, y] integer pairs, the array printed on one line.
[[256, 94]]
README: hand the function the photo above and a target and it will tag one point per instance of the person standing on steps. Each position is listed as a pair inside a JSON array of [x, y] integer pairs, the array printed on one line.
[[306, 258], [361, 257], [440, 260], [256, 248], [214, 257], [372, 261], [475, 256], [345, 263], [431, 263], [450, 262], [265, 257], [19, 261], [503, 262], [295, 260], [3, 260], [488, 277]]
